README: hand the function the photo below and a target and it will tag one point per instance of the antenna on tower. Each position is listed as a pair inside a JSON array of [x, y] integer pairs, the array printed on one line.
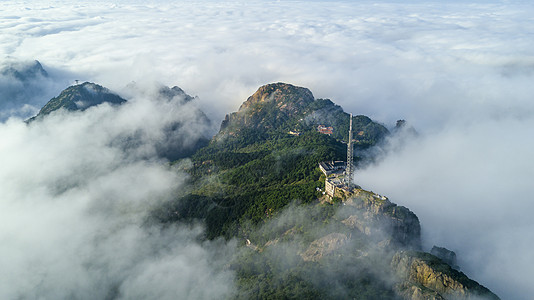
[[350, 165]]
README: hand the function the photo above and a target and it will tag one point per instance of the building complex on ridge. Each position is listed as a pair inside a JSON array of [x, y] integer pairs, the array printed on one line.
[[325, 130], [339, 174], [332, 167]]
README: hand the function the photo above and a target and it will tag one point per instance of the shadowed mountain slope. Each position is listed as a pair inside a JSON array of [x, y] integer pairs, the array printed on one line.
[[79, 97]]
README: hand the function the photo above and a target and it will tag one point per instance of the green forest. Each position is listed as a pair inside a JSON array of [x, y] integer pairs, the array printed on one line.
[[250, 172]]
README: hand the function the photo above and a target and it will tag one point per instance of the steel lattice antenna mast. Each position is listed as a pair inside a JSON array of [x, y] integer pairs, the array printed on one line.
[[350, 164]]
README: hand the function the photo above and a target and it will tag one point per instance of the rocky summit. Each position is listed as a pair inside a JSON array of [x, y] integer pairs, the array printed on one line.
[[270, 107], [281, 108]]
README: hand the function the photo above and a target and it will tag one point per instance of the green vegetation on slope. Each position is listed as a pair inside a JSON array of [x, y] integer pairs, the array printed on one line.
[[253, 167], [79, 97], [266, 157], [253, 182], [276, 109]]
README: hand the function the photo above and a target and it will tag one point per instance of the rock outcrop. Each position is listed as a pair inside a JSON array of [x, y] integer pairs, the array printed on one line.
[[324, 246], [269, 107], [448, 256], [287, 97], [379, 217], [424, 276]]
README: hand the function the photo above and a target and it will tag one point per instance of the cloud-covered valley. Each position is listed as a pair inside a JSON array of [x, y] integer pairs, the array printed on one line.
[[77, 190], [460, 72]]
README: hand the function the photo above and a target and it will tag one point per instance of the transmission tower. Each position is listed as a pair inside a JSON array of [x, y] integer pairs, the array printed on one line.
[[350, 164]]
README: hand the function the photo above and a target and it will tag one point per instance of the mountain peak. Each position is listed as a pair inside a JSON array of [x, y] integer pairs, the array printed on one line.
[[169, 93], [24, 71], [280, 108], [272, 106], [80, 97], [280, 93]]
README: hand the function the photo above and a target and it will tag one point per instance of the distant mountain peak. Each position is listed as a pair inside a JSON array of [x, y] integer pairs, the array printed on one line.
[[79, 97], [175, 91], [24, 71]]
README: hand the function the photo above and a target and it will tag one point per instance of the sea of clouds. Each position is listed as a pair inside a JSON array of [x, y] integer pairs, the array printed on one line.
[[77, 191], [459, 71]]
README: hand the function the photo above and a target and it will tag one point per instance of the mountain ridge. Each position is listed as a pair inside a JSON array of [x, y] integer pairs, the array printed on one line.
[[258, 181], [264, 158], [79, 97]]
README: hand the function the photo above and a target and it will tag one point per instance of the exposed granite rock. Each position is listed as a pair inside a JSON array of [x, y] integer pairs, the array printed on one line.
[[378, 214], [412, 291], [281, 108], [286, 96], [419, 272], [270, 106], [324, 246]]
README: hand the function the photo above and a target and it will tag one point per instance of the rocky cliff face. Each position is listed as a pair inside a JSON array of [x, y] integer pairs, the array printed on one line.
[[386, 225], [377, 216], [287, 97], [324, 246], [424, 276], [270, 107], [393, 233], [383, 240]]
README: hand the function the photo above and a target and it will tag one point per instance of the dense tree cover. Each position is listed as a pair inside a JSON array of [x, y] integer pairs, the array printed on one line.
[[241, 183], [252, 169], [253, 180]]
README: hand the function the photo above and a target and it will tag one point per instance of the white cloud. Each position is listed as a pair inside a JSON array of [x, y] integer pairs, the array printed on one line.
[[470, 185], [75, 199], [460, 72], [23, 87]]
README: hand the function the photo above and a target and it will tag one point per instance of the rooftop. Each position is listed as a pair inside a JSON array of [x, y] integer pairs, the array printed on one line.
[[331, 167]]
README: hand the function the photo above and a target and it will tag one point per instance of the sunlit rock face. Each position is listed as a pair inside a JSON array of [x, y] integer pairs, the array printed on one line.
[[424, 276]]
